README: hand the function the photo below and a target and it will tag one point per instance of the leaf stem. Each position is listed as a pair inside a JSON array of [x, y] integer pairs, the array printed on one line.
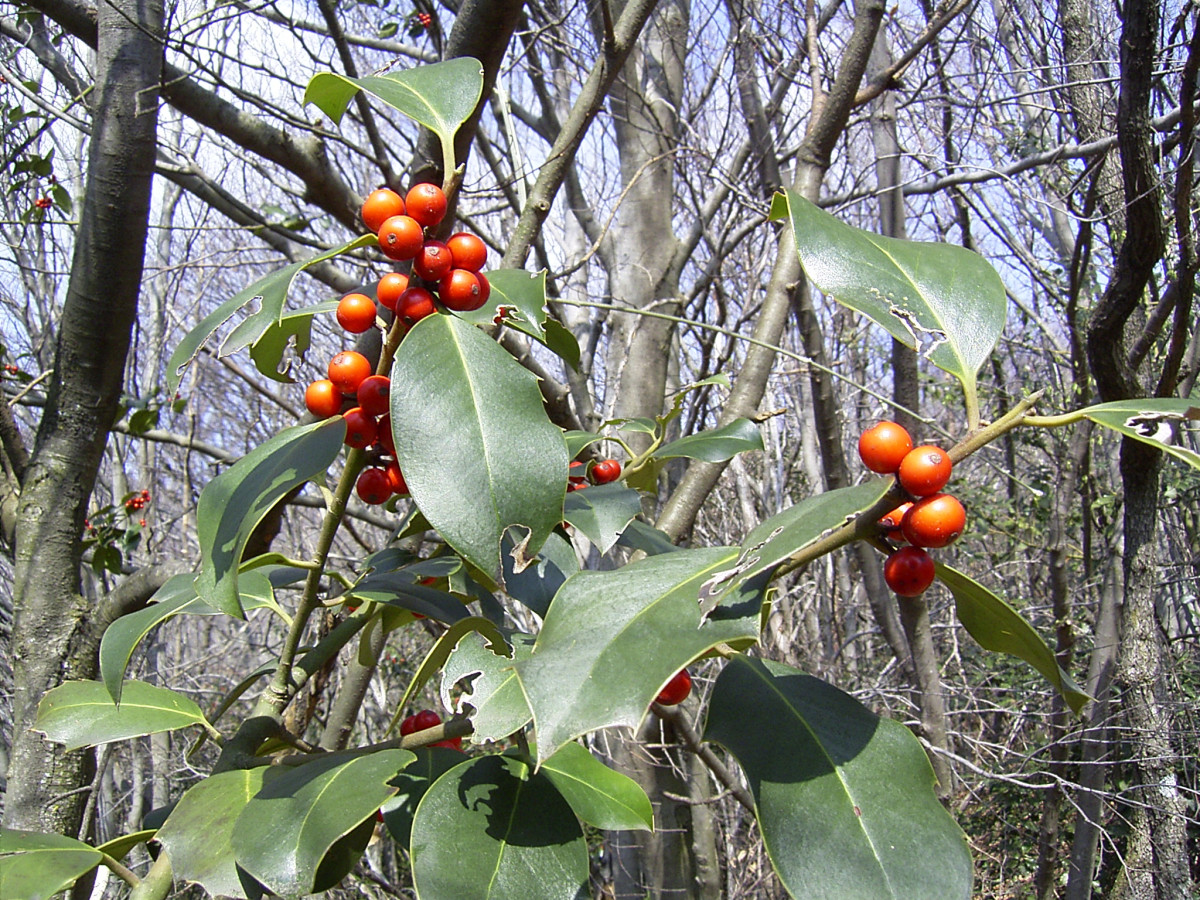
[[120, 870]]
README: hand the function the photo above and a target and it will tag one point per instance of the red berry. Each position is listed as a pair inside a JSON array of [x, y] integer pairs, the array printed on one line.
[[936, 521], [323, 399], [389, 289], [432, 261], [373, 394], [401, 237], [372, 486], [380, 206], [605, 471], [356, 313], [925, 470], [426, 718], [360, 428], [43, 203], [395, 478], [883, 446], [454, 743], [426, 203], [485, 288], [469, 251], [891, 521], [347, 371], [459, 290], [384, 436], [409, 725], [909, 571], [415, 304], [677, 689]]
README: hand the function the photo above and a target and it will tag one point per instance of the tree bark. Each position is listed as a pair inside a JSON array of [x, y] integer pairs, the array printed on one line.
[[54, 631]]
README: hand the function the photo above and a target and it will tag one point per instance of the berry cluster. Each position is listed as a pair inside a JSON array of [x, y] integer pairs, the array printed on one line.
[[137, 501], [43, 203], [602, 472], [449, 271], [931, 520], [427, 718]]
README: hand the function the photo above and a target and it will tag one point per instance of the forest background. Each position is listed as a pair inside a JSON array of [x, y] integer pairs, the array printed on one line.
[[1055, 140]]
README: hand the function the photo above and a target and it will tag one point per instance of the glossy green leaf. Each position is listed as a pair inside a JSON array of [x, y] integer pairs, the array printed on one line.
[[497, 703], [716, 445], [491, 829], [440, 96], [269, 294], [397, 589], [1152, 421], [844, 799], [602, 512], [562, 343], [942, 300], [537, 583], [773, 541], [177, 596], [286, 830], [411, 784], [291, 334], [477, 449], [600, 796], [613, 639], [233, 503], [81, 713], [198, 834], [36, 866], [523, 294], [118, 848], [578, 441], [998, 627], [650, 540]]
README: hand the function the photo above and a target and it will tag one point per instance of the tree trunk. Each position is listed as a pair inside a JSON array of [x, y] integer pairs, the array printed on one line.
[[55, 633]]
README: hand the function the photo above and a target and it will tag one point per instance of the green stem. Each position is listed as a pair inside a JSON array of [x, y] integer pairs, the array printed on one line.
[[120, 870], [1055, 421], [157, 883]]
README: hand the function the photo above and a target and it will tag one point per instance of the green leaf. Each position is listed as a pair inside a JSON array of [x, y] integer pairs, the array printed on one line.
[[36, 866], [562, 343], [198, 834], [599, 796], [602, 512], [441, 96], [119, 847], [490, 829], [844, 799], [784, 533], [81, 713], [998, 627], [178, 595], [269, 292], [717, 445], [62, 199], [650, 540], [1151, 421], [578, 441], [537, 583], [233, 503], [613, 639], [523, 293], [411, 784], [495, 698], [286, 830], [477, 449], [399, 590], [940, 299], [294, 329]]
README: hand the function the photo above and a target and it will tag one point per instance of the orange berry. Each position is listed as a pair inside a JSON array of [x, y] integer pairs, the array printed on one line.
[[426, 203], [401, 237], [935, 521], [347, 370], [380, 206], [389, 289], [356, 313], [925, 470], [469, 251], [323, 399], [883, 446]]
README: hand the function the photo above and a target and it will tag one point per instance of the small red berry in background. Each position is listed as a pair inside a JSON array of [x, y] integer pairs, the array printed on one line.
[[380, 206], [347, 371], [677, 689], [385, 438], [401, 237], [454, 743], [925, 470], [432, 261], [372, 486], [605, 471], [43, 203], [469, 251], [415, 304], [389, 289], [323, 399], [395, 479], [935, 521], [360, 428], [883, 446], [909, 571], [459, 290], [891, 521], [373, 394], [356, 313], [426, 203]]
